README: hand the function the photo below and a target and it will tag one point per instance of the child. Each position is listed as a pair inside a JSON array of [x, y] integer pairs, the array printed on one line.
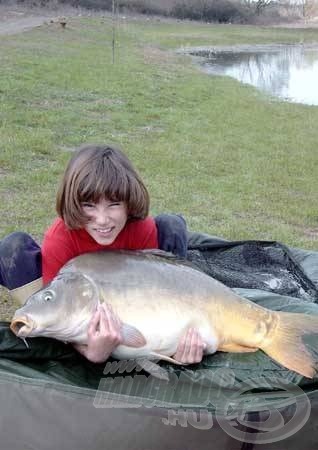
[[102, 204]]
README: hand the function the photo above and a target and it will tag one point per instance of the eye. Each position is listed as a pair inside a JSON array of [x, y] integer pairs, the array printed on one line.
[[115, 204], [48, 296], [87, 205]]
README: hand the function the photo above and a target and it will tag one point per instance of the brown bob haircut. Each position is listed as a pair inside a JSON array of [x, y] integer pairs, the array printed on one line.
[[95, 172]]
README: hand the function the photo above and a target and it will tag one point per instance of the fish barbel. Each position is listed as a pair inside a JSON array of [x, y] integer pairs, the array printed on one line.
[[158, 299]]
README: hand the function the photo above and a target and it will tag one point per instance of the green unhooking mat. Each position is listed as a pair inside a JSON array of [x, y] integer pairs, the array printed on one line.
[[51, 397]]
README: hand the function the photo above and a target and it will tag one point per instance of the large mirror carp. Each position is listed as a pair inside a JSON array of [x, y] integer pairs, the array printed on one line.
[[157, 299]]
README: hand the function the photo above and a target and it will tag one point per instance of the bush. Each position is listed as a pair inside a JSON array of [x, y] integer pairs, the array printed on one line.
[[143, 7], [90, 4], [222, 11]]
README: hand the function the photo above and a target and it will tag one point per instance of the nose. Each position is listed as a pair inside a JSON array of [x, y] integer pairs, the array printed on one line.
[[102, 215]]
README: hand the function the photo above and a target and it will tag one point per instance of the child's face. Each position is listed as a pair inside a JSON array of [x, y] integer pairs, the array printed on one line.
[[107, 219]]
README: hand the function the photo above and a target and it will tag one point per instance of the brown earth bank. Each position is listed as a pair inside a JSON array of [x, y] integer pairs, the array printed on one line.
[[17, 19]]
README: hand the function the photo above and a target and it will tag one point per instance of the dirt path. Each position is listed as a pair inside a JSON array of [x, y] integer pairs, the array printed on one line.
[[17, 19], [20, 25]]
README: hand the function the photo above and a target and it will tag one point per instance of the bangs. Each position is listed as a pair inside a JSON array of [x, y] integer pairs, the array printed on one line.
[[104, 183]]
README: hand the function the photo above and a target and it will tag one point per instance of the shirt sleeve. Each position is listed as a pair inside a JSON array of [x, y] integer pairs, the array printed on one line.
[[143, 234], [56, 251]]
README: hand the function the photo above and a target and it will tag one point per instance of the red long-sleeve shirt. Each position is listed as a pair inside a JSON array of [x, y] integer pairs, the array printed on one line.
[[60, 244]]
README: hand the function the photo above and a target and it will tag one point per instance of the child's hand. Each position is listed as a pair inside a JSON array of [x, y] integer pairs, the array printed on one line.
[[190, 348], [103, 335]]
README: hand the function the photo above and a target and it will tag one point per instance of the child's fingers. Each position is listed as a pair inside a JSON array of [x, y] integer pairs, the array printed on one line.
[[94, 322], [113, 319], [105, 320], [182, 346], [198, 346]]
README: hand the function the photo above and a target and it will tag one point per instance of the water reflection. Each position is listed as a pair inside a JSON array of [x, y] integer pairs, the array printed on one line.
[[289, 72]]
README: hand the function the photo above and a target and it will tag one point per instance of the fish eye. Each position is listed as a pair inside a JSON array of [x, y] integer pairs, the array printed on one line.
[[48, 296]]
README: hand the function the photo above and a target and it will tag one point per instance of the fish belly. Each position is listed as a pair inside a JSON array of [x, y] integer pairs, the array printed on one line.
[[164, 337]]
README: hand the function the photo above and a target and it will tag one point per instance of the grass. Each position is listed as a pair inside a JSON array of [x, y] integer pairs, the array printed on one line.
[[234, 162]]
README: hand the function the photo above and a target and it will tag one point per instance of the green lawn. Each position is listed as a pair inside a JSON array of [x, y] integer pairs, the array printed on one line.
[[234, 162]]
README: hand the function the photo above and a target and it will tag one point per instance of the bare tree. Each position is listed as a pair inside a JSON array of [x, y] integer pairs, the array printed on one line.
[[309, 8], [114, 8], [260, 5]]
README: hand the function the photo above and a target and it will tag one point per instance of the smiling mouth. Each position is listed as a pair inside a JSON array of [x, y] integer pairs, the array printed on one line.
[[104, 230], [22, 326]]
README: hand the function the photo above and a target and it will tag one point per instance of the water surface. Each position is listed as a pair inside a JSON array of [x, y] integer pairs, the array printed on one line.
[[289, 72]]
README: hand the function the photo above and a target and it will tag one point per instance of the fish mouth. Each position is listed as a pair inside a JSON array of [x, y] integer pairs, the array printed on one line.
[[22, 326]]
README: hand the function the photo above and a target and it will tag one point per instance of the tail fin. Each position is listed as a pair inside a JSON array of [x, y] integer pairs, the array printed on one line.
[[286, 345]]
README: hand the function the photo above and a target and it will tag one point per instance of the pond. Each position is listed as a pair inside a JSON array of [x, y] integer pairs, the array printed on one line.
[[289, 72]]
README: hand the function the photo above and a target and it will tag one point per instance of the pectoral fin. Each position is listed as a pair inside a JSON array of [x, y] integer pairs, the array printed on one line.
[[232, 347], [165, 358], [132, 337]]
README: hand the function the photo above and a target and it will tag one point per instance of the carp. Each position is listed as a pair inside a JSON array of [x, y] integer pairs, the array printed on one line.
[[157, 298]]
